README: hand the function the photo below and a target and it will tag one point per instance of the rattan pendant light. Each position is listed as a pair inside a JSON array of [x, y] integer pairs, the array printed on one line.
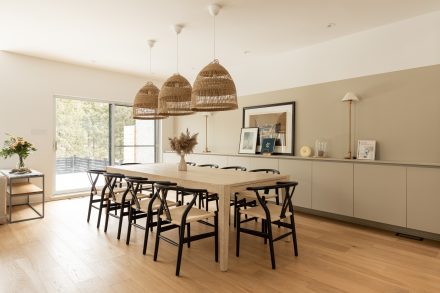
[[146, 103], [214, 89], [175, 94]]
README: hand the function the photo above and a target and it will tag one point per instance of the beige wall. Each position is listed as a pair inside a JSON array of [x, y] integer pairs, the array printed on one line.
[[401, 110]]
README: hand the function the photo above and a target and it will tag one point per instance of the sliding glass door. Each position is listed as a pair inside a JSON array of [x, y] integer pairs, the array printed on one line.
[[93, 135]]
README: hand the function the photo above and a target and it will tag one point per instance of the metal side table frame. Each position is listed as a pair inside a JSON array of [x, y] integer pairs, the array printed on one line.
[[27, 189]]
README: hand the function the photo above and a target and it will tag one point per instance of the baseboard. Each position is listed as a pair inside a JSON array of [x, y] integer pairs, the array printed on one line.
[[372, 224]]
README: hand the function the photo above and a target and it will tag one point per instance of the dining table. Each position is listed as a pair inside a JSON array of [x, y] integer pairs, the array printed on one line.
[[224, 182]]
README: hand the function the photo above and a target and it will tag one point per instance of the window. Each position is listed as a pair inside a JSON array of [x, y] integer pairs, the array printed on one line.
[[92, 135]]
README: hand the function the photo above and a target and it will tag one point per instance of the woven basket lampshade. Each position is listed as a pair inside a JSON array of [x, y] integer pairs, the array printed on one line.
[[145, 106], [175, 96], [214, 90]]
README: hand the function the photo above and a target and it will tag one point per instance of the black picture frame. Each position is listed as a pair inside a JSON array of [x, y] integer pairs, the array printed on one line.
[[289, 140]]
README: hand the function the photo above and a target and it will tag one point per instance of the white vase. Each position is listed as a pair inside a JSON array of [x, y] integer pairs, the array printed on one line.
[[182, 163]]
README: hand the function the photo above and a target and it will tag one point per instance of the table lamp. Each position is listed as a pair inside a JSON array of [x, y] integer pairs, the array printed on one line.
[[350, 98]]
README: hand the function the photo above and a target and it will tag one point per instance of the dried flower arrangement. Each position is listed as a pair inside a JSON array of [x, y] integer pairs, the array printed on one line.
[[184, 144]]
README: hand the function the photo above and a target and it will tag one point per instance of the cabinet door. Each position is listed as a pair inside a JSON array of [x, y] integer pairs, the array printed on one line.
[[263, 163], [380, 193], [423, 187], [300, 171], [239, 161], [332, 187]]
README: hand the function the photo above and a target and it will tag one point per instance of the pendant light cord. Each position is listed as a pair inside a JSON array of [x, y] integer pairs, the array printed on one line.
[[213, 42], [177, 52], [151, 49]]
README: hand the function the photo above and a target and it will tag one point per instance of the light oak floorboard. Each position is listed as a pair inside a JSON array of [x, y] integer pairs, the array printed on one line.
[[63, 253]]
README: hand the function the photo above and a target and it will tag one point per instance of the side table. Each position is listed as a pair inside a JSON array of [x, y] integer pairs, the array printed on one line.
[[20, 186]]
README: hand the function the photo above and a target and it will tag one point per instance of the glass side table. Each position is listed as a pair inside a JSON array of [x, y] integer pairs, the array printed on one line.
[[21, 186]]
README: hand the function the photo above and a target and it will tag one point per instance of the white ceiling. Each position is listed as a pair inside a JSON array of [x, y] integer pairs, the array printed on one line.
[[113, 34]]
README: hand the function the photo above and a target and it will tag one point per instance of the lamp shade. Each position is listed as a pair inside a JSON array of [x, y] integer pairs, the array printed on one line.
[[145, 106], [350, 97], [175, 96], [214, 90]]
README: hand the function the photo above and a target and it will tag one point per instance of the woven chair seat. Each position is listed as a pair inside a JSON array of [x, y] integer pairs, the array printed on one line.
[[258, 211], [156, 204], [194, 215], [248, 194], [128, 197]]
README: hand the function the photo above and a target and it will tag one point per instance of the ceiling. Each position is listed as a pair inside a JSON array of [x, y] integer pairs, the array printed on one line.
[[113, 34]]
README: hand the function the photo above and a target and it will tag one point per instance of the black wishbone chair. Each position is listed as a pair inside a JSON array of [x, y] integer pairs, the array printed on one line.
[[181, 218], [248, 198], [270, 214], [93, 176], [118, 198], [236, 168], [191, 163], [215, 166]]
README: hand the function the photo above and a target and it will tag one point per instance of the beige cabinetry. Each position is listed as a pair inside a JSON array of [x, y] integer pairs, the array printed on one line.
[[398, 194], [424, 199], [300, 171], [380, 193], [332, 187]]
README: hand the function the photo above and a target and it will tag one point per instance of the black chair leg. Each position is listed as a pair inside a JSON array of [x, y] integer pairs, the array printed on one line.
[[90, 207], [235, 211], [216, 236], [147, 231], [179, 254], [156, 247], [107, 215], [101, 205], [263, 229], [188, 233], [295, 243], [121, 217], [272, 252], [237, 243], [130, 219]]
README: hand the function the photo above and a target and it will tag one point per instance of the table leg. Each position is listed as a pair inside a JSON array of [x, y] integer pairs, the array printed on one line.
[[224, 214]]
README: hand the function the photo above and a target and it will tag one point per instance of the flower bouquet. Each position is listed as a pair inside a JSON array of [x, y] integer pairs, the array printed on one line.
[[183, 145], [17, 146]]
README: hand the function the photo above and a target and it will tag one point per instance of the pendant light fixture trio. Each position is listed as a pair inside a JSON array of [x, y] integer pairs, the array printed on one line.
[[213, 90]]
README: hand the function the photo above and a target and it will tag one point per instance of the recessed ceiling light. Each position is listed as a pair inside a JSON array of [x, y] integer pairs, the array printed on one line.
[[93, 61], [246, 52], [331, 25]]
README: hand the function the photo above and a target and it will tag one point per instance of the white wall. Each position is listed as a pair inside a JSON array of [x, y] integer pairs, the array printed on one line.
[[411, 43], [27, 87]]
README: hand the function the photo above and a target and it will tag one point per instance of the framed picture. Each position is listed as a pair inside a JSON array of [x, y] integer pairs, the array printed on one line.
[[248, 140], [273, 121], [366, 149], [268, 145]]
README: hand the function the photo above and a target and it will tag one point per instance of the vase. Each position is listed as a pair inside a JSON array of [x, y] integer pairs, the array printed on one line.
[[182, 163], [20, 164]]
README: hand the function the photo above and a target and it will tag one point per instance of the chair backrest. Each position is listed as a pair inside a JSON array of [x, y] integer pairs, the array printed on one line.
[[289, 189], [191, 163], [208, 165], [273, 171], [162, 192], [238, 168], [111, 180], [126, 164], [93, 175]]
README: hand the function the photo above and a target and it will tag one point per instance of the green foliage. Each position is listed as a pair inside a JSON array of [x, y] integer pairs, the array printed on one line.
[[16, 145]]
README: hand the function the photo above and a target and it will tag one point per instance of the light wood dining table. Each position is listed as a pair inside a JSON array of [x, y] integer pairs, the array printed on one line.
[[220, 181]]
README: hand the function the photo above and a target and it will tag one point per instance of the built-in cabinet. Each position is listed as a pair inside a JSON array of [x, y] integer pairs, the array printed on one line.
[[423, 199], [398, 194]]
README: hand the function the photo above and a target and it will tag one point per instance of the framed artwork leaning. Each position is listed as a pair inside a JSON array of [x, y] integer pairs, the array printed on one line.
[[273, 121], [248, 140]]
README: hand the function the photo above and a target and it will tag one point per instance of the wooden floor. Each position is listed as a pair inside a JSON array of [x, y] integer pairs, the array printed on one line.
[[62, 253]]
